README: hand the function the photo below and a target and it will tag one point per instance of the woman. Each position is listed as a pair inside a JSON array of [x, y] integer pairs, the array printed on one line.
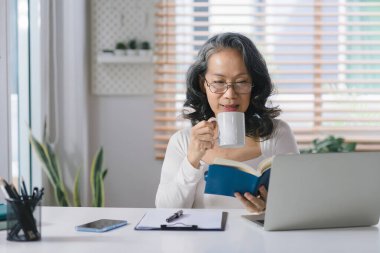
[[229, 74]]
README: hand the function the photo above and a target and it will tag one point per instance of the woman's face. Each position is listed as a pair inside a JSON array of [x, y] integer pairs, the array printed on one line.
[[227, 66]]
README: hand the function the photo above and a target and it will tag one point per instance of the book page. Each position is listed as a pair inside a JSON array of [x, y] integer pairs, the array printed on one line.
[[265, 164], [262, 167], [239, 165]]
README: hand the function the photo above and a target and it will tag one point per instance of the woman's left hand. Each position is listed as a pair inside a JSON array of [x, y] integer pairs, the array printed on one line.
[[252, 203]]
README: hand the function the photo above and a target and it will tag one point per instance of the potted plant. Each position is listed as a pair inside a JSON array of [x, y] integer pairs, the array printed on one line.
[[120, 48], [145, 48], [330, 144], [132, 47], [52, 168]]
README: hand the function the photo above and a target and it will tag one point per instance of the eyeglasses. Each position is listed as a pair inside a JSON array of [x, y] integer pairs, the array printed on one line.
[[221, 87]]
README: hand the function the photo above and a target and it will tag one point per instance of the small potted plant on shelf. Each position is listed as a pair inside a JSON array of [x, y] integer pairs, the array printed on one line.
[[132, 47], [145, 48], [120, 48]]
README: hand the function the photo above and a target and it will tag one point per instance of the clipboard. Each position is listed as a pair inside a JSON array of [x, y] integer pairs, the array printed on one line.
[[191, 220]]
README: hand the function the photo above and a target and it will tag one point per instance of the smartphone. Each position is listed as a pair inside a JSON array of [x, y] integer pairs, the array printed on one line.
[[102, 225]]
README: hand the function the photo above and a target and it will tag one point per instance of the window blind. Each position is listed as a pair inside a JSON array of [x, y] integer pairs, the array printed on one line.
[[323, 57]]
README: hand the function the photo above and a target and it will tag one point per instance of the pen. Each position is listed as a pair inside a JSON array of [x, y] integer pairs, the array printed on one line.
[[176, 215], [4, 187], [8, 189], [24, 192]]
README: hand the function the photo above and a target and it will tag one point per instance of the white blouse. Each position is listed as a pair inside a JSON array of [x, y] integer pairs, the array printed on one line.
[[182, 185]]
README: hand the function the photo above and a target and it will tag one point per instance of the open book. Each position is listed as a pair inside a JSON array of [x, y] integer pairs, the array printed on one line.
[[225, 177]]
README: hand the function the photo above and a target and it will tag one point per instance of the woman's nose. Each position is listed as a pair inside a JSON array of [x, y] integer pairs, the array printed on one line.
[[230, 92]]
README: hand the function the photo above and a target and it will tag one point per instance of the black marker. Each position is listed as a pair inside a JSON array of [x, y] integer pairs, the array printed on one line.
[[175, 216]]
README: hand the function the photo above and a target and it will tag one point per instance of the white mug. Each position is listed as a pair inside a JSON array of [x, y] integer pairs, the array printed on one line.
[[231, 127]]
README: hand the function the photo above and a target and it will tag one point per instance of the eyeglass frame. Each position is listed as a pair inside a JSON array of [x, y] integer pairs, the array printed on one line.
[[227, 86]]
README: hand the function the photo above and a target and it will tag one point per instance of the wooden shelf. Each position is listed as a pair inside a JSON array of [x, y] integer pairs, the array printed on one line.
[[111, 58]]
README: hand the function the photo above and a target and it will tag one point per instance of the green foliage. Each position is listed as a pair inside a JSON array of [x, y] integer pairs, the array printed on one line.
[[76, 195], [97, 179], [121, 46], [330, 144], [50, 164], [145, 45], [132, 44]]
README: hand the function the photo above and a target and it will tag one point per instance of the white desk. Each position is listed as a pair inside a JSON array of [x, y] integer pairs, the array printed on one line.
[[241, 235]]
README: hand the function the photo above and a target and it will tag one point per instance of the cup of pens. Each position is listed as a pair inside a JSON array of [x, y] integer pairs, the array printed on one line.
[[23, 213], [23, 220]]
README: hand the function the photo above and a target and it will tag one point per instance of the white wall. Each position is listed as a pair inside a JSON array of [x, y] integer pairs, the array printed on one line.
[[123, 125]]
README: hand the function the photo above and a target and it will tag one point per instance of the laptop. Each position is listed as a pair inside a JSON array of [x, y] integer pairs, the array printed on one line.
[[329, 190]]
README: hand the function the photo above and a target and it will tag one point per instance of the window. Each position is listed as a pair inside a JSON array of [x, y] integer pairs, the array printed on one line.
[[19, 73], [4, 105], [323, 56], [9, 91]]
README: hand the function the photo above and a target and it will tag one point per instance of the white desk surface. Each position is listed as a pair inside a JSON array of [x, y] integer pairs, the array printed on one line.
[[241, 235]]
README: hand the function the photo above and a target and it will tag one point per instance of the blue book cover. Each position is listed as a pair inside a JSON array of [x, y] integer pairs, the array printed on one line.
[[223, 179], [3, 212], [3, 225]]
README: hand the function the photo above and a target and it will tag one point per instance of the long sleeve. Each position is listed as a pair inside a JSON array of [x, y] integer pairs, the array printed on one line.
[[281, 142], [179, 178], [284, 143]]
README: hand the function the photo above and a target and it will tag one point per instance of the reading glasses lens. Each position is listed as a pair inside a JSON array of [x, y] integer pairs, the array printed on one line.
[[221, 88]]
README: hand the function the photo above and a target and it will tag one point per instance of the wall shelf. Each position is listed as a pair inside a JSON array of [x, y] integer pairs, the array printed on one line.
[[111, 58], [120, 21]]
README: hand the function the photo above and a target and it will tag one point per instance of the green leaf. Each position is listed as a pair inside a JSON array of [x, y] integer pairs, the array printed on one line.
[[50, 166], [100, 192], [96, 168], [349, 147], [76, 194], [53, 162], [44, 136], [60, 197], [104, 173], [330, 144], [40, 152], [55, 168]]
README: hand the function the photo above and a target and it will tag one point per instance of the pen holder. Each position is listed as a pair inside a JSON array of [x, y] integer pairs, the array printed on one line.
[[23, 219]]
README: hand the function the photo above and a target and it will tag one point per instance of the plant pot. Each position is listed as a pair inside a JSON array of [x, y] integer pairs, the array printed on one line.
[[145, 52], [119, 52], [131, 52]]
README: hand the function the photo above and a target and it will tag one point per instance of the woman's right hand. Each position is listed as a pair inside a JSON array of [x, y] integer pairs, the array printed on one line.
[[202, 138], [254, 204]]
